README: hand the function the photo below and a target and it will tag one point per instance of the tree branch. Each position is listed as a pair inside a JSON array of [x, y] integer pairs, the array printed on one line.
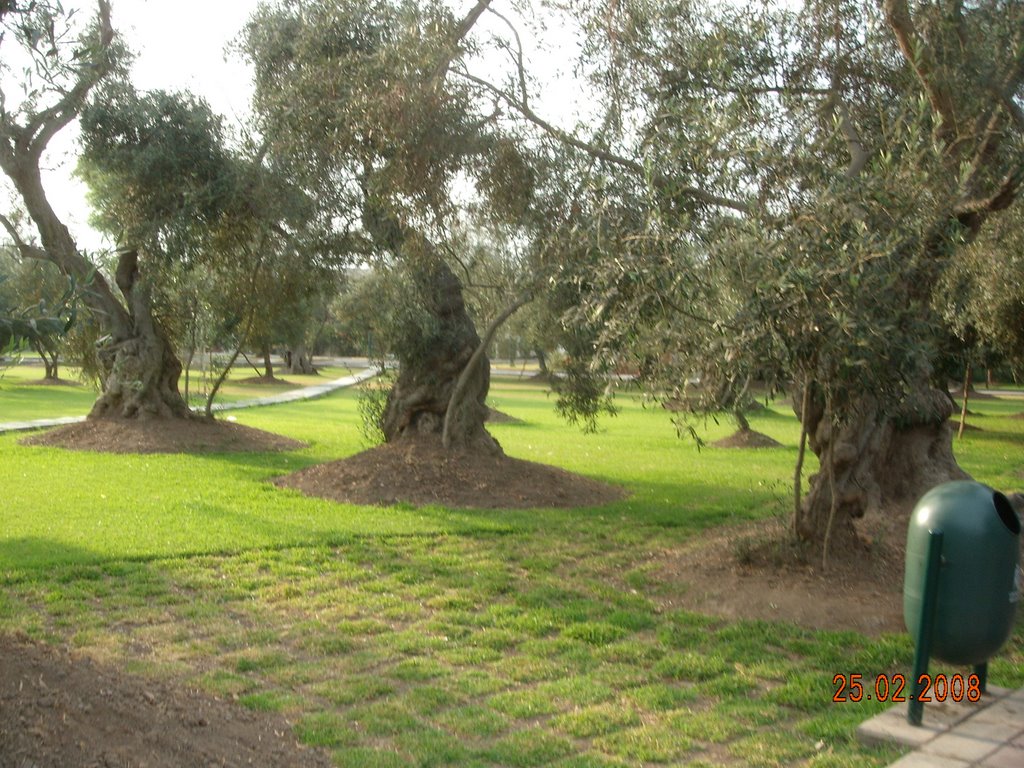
[[441, 70], [27, 250], [674, 82], [919, 57], [42, 127], [520, 66], [599, 153], [1007, 191], [859, 155], [991, 124], [455, 401], [527, 112], [854, 143]]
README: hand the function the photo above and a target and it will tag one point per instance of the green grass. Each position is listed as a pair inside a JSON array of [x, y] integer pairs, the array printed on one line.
[[23, 399], [398, 637], [992, 455], [237, 387]]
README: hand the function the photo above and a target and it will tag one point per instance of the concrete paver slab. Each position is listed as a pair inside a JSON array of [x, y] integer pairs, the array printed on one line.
[[1007, 757], [920, 760], [961, 746], [986, 734], [892, 726]]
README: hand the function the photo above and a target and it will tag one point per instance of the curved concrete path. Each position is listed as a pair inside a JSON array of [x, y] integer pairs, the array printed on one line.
[[305, 393]]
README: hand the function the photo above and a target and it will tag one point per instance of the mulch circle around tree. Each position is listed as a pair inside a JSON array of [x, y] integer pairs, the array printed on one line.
[[267, 380], [747, 438], [51, 382], [419, 471], [58, 710], [494, 416], [758, 571], [161, 436]]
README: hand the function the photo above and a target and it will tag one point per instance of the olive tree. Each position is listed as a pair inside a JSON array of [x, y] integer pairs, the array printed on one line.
[[983, 295], [62, 60], [357, 104], [780, 195], [163, 178], [33, 318]]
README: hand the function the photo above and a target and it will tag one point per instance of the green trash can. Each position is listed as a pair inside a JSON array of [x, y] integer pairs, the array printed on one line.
[[979, 580]]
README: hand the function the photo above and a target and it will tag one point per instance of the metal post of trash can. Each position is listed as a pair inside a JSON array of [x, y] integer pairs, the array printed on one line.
[[981, 670], [923, 644]]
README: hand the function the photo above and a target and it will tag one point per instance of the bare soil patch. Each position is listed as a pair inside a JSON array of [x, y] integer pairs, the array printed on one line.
[[58, 710], [758, 571], [419, 472], [747, 438], [161, 436]]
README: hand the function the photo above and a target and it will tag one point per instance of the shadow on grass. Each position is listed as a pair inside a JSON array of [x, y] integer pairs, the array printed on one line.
[[213, 530], [20, 556], [988, 434], [261, 465]]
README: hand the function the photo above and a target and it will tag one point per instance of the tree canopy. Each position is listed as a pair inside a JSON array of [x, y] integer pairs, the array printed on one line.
[[776, 195]]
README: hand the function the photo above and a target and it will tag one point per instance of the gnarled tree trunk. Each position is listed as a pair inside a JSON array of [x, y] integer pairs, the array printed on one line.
[[300, 362], [139, 367], [141, 370], [420, 397], [881, 461]]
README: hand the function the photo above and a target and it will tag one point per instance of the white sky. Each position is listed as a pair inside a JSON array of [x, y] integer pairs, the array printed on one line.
[[181, 45]]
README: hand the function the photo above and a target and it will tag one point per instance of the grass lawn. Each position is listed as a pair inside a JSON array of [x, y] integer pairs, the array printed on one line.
[[403, 637], [22, 399]]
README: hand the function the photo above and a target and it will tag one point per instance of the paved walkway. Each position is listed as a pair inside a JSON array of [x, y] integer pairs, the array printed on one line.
[[988, 734], [305, 393]]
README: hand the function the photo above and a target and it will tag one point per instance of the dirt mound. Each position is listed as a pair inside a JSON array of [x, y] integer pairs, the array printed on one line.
[[51, 382], [419, 472], [161, 436], [59, 711], [495, 416], [267, 380], [747, 438]]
